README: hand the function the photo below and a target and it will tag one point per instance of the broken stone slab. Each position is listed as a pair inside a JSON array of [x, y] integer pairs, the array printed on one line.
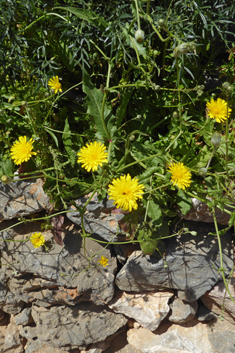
[[204, 314], [75, 327], [22, 198], [65, 267], [181, 311], [218, 298], [193, 336], [192, 264], [200, 212], [36, 346], [147, 308], [120, 345], [12, 339], [99, 217], [24, 317]]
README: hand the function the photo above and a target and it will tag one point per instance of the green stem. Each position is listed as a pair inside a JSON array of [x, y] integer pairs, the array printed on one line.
[[139, 160], [148, 7], [221, 270], [137, 14], [38, 19], [226, 144]]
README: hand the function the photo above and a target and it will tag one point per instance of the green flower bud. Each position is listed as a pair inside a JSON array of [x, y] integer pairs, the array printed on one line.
[[193, 233], [215, 139], [139, 36], [230, 89], [138, 117], [157, 87], [161, 22], [225, 85], [6, 179], [91, 61], [132, 137], [185, 230], [202, 171], [175, 114]]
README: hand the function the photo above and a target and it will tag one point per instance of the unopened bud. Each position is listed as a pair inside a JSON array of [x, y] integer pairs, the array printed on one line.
[[157, 87], [193, 233], [161, 22], [215, 139], [139, 36], [225, 85], [6, 179], [132, 137], [175, 114], [202, 171]]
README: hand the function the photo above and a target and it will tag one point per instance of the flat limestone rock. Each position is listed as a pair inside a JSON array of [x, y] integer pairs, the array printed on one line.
[[99, 217], [191, 337], [75, 327], [147, 308], [22, 198], [192, 264], [66, 276]]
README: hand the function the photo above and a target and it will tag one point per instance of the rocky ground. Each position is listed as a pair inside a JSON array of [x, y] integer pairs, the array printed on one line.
[[50, 301]]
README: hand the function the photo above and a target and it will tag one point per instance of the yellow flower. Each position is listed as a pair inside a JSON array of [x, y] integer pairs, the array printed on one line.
[[21, 151], [180, 175], [37, 239], [125, 192], [92, 156], [55, 84], [218, 110], [103, 261]]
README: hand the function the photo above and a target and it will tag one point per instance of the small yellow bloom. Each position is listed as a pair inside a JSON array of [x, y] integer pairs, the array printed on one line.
[[92, 156], [37, 239], [125, 192], [21, 151], [180, 175], [103, 261], [55, 84], [218, 110]]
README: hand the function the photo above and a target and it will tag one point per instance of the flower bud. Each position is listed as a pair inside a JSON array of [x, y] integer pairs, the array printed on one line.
[[225, 85], [193, 233], [202, 171], [138, 117], [139, 36], [157, 87], [6, 179], [215, 139], [175, 114], [161, 22], [132, 137]]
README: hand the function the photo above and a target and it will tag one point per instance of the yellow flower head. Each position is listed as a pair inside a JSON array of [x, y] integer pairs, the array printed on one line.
[[37, 239], [55, 84], [103, 261], [21, 151], [125, 192], [218, 110], [180, 175], [92, 156]]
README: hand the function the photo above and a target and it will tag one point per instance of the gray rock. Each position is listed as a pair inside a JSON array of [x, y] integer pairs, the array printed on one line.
[[24, 317], [120, 345], [28, 332], [11, 304], [76, 327], [219, 302], [36, 346], [182, 311], [203, 313], [193, 264], [65, 267], [21, 198], [99, 218]]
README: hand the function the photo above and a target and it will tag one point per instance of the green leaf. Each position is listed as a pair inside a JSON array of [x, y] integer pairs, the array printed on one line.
[[88, 16], [184, 202], [7, 167], [53, 136], [68, 143], [154, 210], [94, 101]]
